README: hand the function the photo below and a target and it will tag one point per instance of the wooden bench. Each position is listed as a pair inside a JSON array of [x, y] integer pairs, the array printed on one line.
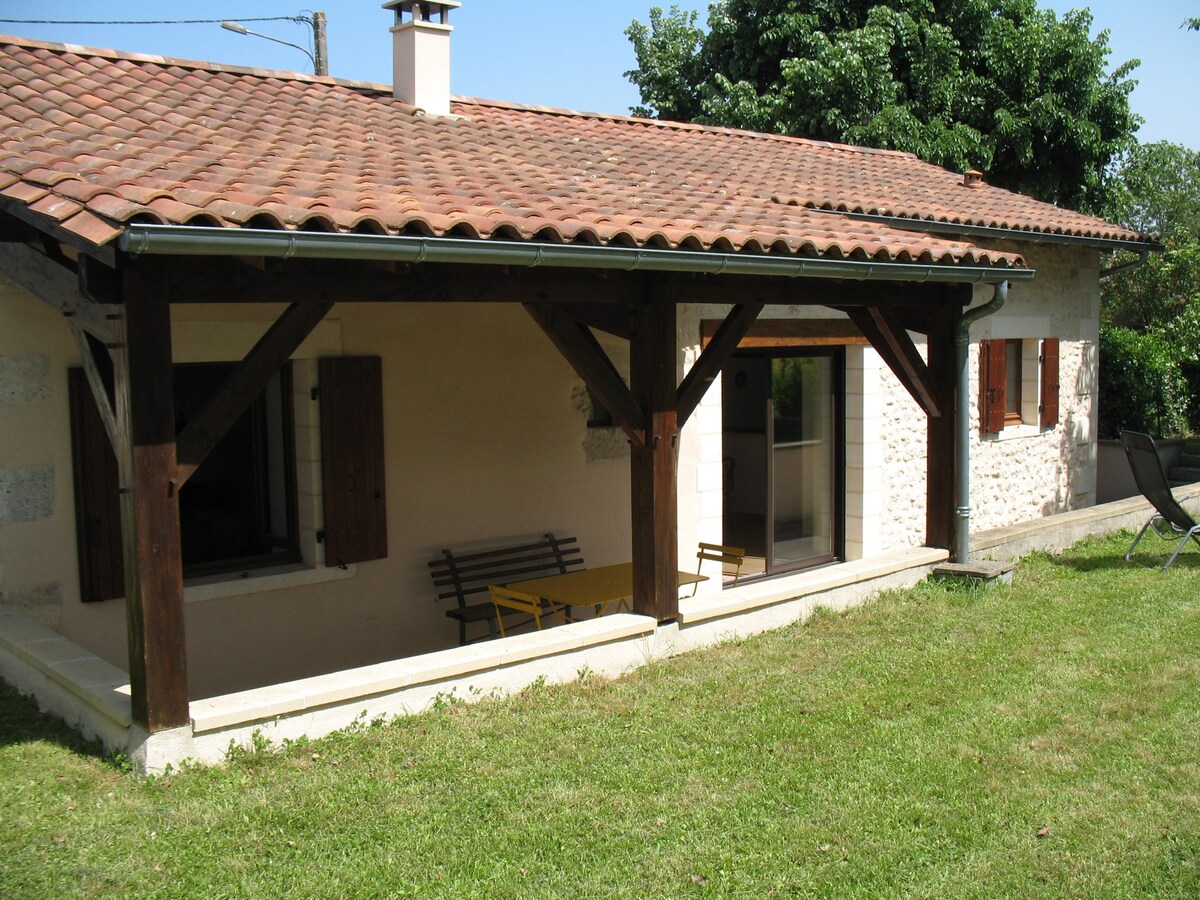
[[466, 576]]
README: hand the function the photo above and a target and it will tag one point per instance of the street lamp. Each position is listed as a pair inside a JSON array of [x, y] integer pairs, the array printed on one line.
[[316, 20]]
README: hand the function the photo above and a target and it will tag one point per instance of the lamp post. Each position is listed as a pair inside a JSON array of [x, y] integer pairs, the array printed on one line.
[[317, 20]]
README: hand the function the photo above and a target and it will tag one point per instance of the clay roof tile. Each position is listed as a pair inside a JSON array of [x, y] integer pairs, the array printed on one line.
[[180, 141]]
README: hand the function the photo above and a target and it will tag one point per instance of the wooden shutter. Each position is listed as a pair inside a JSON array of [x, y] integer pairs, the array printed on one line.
[[97, 501], [1049, 383], [991, 386], [352, 460]]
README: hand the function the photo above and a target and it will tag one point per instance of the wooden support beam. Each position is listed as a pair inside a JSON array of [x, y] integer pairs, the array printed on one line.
[[98, 370], [653, 477], [244, 383], [581, 349], [701, 376], [150, 509], [897, 349], [791, 333], [941, 432], [348, 281], [784, 291], [58, 286]]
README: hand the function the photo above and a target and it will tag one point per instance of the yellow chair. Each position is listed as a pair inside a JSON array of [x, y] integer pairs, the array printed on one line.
[[726, 556], [520, 602]]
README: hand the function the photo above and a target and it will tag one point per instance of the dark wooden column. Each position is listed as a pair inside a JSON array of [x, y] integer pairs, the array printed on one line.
[[150, 506], [655, 500], [941, 430]]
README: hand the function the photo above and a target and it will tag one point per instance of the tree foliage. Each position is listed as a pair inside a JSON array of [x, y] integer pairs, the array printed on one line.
[[997, 85], [1150, 339], [1157, 191], [1141, 387]]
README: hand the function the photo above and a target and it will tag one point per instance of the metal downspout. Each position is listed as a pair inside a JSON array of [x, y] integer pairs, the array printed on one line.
[[962, 445]]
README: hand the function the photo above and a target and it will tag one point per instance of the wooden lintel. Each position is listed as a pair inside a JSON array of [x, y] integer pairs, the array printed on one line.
[[701, 376], [98, 370], [244, 383], [791, 333], [348, 281], [779, 291], [58, 286], [585, 355], [898, 351]]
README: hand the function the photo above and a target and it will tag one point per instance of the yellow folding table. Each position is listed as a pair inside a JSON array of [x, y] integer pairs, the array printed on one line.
[[600, 587]]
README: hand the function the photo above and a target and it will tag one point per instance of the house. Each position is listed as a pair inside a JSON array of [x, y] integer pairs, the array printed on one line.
[[269, 342]]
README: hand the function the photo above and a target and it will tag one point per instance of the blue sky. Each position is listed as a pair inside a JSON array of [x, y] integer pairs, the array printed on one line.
[[568, 53]]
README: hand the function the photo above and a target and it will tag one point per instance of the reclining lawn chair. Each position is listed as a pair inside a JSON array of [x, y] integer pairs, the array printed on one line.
[[1170, 519]]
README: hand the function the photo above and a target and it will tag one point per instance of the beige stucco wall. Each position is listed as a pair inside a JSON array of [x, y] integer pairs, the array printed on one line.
[[485, 442]]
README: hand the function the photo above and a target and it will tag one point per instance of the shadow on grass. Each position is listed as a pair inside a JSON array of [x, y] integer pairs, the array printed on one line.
[[1146, 559], [21, 722]]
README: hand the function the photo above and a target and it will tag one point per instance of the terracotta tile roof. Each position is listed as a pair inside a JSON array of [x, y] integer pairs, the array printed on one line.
[[94, 139]]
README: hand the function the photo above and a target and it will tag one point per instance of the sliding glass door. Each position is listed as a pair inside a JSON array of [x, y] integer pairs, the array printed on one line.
[[784, 455]]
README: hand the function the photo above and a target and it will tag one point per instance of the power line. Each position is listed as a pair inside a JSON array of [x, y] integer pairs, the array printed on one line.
[[298, 19]]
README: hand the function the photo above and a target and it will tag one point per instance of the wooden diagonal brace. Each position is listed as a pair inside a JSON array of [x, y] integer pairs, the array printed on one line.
[[701, 376], [244, 383], [581, 349], [896, 347], [94, 356], [59, 287]]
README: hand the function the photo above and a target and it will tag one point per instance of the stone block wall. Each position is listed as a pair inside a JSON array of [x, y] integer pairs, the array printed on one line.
[[32, 484]]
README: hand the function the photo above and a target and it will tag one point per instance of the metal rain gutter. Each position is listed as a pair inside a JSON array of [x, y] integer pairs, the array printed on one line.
[[195, 240], [907, 223], [1125, 266]]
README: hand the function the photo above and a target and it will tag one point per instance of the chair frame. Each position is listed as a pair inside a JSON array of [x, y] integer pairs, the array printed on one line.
[[1169, 520], [530, 604], [733, 556]]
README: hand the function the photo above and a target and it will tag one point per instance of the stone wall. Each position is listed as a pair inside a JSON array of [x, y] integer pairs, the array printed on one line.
[[32, 484], [1025, 472]]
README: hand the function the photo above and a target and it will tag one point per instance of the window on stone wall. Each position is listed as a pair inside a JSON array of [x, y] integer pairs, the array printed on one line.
[[1018, 384]]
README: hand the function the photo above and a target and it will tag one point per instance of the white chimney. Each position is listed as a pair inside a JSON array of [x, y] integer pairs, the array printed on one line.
[[421, 53]]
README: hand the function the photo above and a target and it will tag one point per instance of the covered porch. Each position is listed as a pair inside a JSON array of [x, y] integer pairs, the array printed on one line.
[[603, 309]]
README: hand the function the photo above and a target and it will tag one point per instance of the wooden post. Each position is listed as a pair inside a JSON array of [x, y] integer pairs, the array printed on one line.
[[150, 506], [940, 430], [655, 501]]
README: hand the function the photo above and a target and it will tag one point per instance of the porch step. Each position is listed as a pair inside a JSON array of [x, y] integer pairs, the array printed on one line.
[[982, 571]]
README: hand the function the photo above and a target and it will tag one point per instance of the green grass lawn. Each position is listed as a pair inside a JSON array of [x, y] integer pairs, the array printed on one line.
[[1034, 741]]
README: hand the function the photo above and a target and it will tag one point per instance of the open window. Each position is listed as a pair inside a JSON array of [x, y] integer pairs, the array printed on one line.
[[1018, 384]]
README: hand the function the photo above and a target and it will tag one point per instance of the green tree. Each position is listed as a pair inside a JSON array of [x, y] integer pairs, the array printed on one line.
[[997, 85], [1157, 191], [1151, 312]]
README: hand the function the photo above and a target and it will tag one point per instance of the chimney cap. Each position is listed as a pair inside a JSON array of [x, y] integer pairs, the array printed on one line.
[[973, 178], [423, 10]]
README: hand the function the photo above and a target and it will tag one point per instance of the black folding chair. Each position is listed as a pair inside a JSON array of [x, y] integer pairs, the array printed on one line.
[[1170, 519]]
